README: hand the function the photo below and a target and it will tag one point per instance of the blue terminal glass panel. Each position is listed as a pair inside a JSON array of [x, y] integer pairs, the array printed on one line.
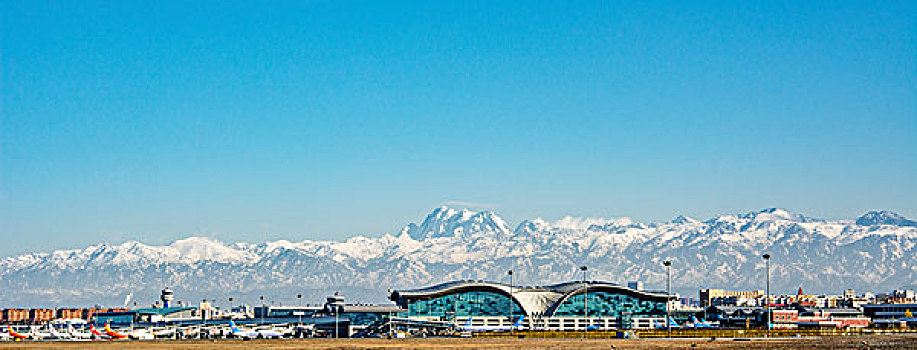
[[604, 304], [465, 304], [115, 320], [366, 318]]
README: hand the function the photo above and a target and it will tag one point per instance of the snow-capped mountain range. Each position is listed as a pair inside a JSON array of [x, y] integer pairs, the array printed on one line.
[[876, 252]]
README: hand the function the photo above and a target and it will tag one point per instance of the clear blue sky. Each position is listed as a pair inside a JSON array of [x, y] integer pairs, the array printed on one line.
[[326, 119]]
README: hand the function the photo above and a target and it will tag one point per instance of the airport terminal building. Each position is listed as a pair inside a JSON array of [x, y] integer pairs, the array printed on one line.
[[564, 306]]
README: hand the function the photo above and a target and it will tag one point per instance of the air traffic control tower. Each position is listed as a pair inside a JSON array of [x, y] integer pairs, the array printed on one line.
[[166, 297]]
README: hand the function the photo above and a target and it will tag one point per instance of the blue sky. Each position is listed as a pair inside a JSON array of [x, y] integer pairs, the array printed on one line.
[[326, 119]]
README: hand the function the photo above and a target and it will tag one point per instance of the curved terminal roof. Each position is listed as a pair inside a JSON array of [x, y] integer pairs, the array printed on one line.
[[540, 300]]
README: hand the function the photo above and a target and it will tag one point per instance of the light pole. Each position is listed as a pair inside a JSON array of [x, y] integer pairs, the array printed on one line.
[[337, 310], [668, 286], [391, 331], [767, 291], [455, 299], [263, 309], [299, 296], [585, 299], [510, 273]]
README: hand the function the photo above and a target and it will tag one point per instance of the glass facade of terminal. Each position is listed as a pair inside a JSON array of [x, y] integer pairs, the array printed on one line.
[[605, 304], [119, 319], [465, 304], [365, 318]]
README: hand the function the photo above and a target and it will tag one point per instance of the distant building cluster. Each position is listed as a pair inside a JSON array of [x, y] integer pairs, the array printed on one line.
[[44, 315], [750, 309]]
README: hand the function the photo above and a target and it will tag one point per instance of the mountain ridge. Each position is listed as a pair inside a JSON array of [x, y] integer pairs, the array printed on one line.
[[450, 243]]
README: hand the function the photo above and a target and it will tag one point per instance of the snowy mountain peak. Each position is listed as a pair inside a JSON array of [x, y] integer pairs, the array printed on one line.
[[775, 214], [528, 227], [581, 223], [681, 219], [194, 241], [884, 217], [446, 213], [450, 222]]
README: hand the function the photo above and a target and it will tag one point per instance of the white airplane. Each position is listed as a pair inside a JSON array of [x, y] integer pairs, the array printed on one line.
[[164, 332], [698, 324], [191, 332], [75, 334], [58, 335], [141, 334], [467, 327], [39, 334], [211, 332], [254, 334], [672, 324]]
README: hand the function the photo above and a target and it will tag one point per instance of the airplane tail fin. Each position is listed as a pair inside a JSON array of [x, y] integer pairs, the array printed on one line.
[[232, 326], [468, 322], [519, 321], [12, 332]]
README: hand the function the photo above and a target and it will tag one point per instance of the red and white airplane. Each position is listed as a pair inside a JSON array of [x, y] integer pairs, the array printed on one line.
[[114, 335], [17, 335], [95, 332]]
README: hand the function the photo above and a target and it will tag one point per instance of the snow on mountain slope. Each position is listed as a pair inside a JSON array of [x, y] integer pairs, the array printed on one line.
[[445, 222], [884, 217], [874, 253], [185, 251]]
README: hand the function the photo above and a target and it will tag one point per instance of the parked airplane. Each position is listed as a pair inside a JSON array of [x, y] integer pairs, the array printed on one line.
[[39, 334], [467, 327], [98, 334], [190, 332], [75, 334], [58, 335], [164, 332], [253, 334], [17, 335], [141, 334], [698, 324], [672, 324], [114, 335]]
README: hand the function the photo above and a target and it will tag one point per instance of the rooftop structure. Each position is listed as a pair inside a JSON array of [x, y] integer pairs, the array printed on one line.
[[707, 296], [147, 315], [481, 298]]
